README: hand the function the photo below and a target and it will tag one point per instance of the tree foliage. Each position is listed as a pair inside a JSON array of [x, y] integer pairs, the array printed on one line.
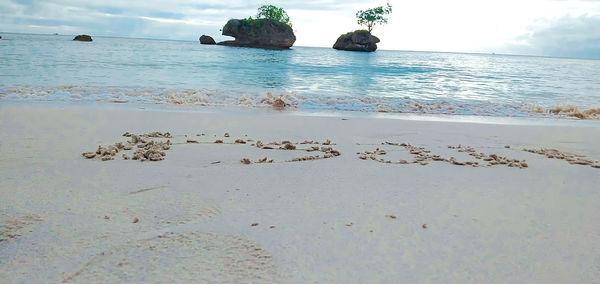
[[273, 13], [373, 16]]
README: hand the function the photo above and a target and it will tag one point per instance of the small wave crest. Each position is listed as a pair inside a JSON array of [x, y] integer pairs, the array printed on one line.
[[307, 102]]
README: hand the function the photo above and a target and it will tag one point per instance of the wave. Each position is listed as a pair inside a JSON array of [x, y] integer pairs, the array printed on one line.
[[298, 101]]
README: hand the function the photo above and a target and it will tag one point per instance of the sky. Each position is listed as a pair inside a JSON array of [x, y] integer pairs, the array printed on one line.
[[531, 27]]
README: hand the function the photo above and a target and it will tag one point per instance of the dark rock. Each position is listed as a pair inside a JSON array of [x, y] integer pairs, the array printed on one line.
[[83, 38], [204, 39], [360, 40], [0, 37], [260, 33]]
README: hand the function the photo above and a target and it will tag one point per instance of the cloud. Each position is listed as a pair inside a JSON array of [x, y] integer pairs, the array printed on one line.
[[182, 19], [567, 36], [561, 27]]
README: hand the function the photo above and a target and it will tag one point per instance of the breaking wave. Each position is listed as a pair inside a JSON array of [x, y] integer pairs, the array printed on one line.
[[210, 98]]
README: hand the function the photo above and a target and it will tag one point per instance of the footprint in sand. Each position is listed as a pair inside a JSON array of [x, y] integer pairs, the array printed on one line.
[[12, 227], [424, 156], [160, 207], [175, 258]]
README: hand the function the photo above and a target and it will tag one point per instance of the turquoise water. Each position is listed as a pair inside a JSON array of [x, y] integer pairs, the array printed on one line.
[[142, 71]]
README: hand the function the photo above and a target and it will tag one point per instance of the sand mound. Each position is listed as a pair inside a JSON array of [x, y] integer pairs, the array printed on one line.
[[423, 157], [188, 257], [147, 149], [328, 152], [572, 159]]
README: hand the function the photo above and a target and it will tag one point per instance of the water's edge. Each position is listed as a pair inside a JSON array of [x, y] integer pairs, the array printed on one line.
[[38, 68], [345, 115]]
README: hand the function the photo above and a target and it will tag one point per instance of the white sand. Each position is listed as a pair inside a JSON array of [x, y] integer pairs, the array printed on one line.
[[65, 218]]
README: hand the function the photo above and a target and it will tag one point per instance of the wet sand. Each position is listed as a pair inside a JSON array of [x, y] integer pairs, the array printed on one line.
[[387, 200]]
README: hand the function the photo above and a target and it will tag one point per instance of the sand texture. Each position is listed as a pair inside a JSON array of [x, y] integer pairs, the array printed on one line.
[[190, 257], [90, 195]]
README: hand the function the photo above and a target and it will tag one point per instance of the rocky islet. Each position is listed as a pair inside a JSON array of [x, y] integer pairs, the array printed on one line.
[[359, 40], [258, 33], [86, 38]]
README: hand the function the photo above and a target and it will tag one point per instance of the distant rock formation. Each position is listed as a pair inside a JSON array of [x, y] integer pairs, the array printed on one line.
[[83, 38], [259, 33], [359, 40], [204, 39]]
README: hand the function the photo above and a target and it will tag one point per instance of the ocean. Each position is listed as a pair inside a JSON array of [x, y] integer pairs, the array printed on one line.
[[142, 72]]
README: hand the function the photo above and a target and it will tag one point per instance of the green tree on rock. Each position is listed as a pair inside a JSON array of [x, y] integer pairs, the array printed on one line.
[[373, 16], [273, 13]]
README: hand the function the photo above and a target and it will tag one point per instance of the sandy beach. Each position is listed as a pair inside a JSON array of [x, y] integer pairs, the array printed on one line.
[[404, 201]]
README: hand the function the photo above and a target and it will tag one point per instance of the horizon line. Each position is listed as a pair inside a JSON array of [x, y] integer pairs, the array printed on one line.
[[400, 50]]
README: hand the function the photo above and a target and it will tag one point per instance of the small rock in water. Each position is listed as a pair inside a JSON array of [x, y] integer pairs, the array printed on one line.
[[204, 39], [279, 103], [424, 226], [136, 220], [246, 161], [83, 38]]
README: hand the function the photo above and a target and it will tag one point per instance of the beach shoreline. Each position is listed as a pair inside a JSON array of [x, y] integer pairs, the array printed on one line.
[[204, 215], [561, 121]]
